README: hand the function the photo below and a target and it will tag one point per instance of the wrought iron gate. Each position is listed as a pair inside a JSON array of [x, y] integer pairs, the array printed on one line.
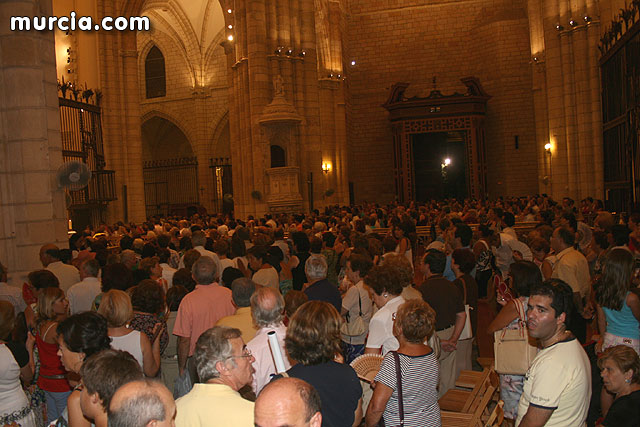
[[620, 74], [171, 186], [81, 132]]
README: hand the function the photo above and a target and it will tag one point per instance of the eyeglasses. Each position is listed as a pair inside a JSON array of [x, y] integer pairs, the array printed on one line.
[[245, 353]]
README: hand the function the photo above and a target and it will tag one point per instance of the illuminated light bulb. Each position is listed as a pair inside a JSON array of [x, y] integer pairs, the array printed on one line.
[[230, 38]]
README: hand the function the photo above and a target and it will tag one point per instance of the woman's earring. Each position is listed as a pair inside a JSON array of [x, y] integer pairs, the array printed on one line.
[[627, 380]]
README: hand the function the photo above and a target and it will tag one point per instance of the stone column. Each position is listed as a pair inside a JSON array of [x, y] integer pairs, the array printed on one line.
[[121, 126], [566, 97], [280, 39], [32, 207]]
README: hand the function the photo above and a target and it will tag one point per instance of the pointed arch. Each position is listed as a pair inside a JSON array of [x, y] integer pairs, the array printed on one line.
[[154, 73]]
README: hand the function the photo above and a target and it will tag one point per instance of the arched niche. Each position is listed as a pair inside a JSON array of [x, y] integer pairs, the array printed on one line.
[[278, 156]]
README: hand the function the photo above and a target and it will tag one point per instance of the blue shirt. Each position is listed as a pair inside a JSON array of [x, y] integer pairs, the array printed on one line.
[[622, 323]]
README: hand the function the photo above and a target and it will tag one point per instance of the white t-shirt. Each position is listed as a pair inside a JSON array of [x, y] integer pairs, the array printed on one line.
[[381, 327], [267, 277], [67, 275], [82, 294], [560, 379]]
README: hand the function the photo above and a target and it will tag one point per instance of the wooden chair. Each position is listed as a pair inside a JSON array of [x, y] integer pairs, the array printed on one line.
[[460, 400], [477, 409], [469, 379], [497, 415]]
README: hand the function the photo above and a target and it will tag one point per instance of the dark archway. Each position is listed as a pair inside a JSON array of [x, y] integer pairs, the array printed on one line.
[[170, 168], [278, 157], [459, 114]]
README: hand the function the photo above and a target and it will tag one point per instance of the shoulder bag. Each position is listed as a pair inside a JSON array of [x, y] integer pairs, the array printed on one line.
[[512, 349], [354, 327], [467, 332], [400, 400]]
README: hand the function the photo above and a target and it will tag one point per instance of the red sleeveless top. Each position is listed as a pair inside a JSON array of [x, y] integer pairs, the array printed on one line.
[[50, 366]]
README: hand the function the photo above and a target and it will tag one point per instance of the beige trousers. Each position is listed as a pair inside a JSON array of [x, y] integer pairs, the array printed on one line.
[[447, 364]]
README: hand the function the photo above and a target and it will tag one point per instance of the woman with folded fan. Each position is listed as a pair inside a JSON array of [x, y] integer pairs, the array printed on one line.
[[524, 275], [406, 385]]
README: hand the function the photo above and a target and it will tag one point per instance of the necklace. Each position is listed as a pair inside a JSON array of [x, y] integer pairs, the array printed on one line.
[[557, 338]]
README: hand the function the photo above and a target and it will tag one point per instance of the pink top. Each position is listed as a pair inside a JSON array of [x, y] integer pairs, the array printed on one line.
[[200, 310]]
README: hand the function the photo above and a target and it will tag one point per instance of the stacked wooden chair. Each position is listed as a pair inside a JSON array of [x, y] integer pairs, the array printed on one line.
[[469, 407]]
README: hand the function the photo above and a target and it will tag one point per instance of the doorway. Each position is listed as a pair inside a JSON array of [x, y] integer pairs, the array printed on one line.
[[440, 165]]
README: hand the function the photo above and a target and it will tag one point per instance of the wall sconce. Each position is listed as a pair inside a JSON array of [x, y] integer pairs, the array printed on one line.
[[559, 27], [547, 147], [573, 22], [326, 167]]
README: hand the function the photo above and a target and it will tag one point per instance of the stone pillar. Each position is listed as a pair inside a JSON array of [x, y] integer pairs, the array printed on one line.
[[121, 126], [32, 207], [272, 39], [566, 97]]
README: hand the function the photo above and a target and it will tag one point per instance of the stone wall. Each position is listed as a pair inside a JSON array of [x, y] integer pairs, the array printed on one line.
[[198, 107], [32, 207], [413, 41]]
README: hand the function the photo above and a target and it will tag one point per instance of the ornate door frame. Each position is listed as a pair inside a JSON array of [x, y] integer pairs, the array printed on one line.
[[438, 113]]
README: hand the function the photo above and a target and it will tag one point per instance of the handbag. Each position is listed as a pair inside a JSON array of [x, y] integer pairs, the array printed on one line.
[[513, 352], [503, 293], [467, 332], [355, 327]]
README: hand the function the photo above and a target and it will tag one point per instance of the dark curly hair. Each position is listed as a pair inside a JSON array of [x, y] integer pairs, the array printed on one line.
[[526, 275], [382, 278], [42, 279], [183, 277], [85, 332], [116, 276], [465, 259], [148, 297], [313, 334]]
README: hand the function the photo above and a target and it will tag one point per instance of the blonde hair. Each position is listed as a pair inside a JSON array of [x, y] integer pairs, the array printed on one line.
[[116, 308], [45, 303]]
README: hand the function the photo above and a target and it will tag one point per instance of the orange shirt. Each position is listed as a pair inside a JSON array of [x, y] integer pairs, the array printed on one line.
[[200, 310]]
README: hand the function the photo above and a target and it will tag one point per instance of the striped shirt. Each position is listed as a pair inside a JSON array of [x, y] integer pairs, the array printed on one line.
[[420, 395]]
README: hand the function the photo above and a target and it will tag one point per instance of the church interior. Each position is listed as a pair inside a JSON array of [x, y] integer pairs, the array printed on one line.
[[267, 106]]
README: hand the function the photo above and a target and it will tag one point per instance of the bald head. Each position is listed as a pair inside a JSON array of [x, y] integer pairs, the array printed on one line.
[[49, 253], [142, 403], [267, 307], [289, 402]]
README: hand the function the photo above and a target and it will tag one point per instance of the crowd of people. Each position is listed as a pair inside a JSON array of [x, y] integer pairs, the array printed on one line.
[[213, 321]]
